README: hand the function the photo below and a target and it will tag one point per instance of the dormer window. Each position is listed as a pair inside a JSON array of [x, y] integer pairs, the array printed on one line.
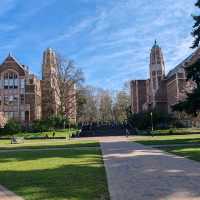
[[10, 81]]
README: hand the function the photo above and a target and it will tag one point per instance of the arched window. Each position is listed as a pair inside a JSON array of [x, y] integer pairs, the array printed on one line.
[[10, 80]]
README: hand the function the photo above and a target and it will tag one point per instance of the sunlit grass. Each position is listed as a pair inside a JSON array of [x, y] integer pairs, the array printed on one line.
[[72, 174], [168, 139], [47, 143], [188, 152]]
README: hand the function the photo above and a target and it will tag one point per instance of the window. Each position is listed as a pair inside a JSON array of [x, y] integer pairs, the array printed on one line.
[[22, 82], [6, 76], [22, 99], [154, 83], [0, 101], [10, 81], [31, 81], [6, 83], [11, 100], [6, 100], [153, 73], [9, 115], [15, 100], [22, 115], [15, 83]]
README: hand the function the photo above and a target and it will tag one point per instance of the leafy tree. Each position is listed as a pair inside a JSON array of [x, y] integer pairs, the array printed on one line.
[[142, 121], [53, 122], [12, 127], [196, 27], [191, 105]]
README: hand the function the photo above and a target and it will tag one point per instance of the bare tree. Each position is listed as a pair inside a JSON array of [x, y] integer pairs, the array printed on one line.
[[69, 76], [105, 106], [87, 104], [121, 105]]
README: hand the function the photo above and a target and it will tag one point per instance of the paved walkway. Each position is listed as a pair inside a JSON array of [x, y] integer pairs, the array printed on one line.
[[8, 195], [137, 172]]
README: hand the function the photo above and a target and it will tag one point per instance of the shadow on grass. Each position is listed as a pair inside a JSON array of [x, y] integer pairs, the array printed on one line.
[[191, 152], [46, 145], [9, 156], [155, 141], [63, 175], [67, 182]]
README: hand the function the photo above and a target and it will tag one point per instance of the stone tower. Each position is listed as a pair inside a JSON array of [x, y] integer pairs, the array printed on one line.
[[50, 88], [157, 71]]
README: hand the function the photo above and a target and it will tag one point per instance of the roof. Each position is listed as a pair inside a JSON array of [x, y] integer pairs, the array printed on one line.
[[182, 64], [12, 58], [155, 45]]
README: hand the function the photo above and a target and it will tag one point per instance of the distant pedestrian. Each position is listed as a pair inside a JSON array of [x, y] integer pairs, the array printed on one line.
[[127, 132]]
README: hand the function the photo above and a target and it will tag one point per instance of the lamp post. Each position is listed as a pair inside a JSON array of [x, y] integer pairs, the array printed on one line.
[[152, 128]]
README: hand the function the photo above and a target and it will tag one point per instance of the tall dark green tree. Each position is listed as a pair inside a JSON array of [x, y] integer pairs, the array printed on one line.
[[191, 105], [196, 27]]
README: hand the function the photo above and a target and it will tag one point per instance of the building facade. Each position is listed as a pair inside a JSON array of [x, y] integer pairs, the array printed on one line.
[[50, 85], [162, 91], [139, 89], [26, 98]]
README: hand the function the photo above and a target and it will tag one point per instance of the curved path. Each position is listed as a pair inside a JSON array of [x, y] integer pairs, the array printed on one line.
[[137, 172], [8, 195]]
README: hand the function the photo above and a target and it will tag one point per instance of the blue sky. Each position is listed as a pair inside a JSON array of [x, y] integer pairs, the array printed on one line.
[[109, 39]]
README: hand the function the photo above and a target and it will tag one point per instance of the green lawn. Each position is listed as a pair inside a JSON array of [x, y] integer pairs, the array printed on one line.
[[63, 174], [188, 152], [178, 131], [46, 143], [168, 139], [58, 133]]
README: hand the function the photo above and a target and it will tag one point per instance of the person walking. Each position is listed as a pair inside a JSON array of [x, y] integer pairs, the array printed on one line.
[[127, 132]]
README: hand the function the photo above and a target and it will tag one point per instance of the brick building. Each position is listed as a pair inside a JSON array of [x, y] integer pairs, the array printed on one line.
[[24, 97], [161, 91]]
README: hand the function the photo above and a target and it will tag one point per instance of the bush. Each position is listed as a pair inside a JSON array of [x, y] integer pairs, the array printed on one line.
[[171, 131], [143, 121], [40, 126], [54, 122], [58, 122], [12, 127]]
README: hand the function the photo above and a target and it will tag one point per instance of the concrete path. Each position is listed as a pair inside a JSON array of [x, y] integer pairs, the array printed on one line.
[[8, 195], [137, 172]]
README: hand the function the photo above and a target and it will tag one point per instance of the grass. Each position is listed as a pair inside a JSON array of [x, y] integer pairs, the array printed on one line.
[[58, 133], [72, 174], [177, 131], [46, 143], [192, 152], [168, 139]]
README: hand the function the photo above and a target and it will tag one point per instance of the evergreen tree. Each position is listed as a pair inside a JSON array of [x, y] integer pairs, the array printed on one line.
[[191, 105], [196, 28]]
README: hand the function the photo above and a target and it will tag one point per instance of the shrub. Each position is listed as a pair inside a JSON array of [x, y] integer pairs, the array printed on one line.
[[142, 121], [171, 131], [58, 122], [40, 126], [12, 127], [54, 122]]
